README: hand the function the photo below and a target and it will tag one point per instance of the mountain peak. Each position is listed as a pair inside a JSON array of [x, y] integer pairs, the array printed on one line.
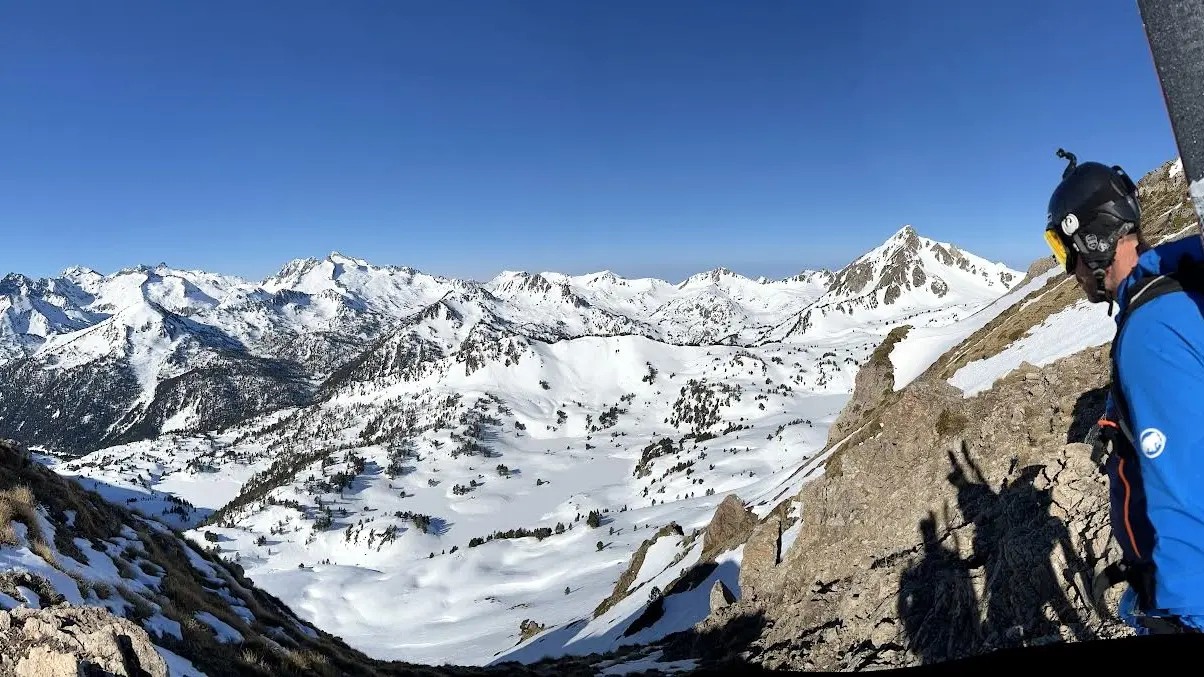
[[906, 238], [603, 276], [131, 270], [76, 272], [713, 276], [296, 267], [907, 261], [821, 276], [519, 281], [338, 257], [14, 283]]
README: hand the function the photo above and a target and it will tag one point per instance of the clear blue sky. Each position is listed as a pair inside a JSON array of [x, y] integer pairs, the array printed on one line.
[[464, 137]]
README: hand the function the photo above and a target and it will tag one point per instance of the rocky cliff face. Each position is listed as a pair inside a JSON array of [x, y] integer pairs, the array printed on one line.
[[953, 527]]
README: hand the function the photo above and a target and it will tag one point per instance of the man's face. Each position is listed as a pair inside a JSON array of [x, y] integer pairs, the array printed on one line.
[[1114, 275]]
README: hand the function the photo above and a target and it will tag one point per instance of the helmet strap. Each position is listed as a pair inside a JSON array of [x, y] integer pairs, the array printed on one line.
[[1099, 274]]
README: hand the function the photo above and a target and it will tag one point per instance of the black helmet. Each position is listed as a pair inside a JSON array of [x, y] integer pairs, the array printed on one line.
[[1093, 207]]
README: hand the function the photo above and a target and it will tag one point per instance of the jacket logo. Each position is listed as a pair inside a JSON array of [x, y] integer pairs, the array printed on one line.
[[1152, 442]]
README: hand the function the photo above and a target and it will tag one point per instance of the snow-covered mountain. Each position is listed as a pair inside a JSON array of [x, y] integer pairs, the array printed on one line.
[[721, 306], [908, 279], [366, 439], [89, 360]]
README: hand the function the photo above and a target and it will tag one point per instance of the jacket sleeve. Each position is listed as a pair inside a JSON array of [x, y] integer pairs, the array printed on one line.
[[1161, 371]]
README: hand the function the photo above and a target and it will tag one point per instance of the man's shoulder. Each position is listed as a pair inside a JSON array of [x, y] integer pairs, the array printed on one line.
[[1166, 258], [1159, 358], [1169, 322]]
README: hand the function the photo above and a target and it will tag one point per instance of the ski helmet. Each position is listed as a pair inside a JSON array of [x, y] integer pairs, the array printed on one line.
[[1090, 210]]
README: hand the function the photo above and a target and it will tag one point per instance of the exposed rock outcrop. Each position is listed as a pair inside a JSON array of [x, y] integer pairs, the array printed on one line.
[[65, 641], [763, 551], [927, 542], [874, 383], [721, 596], [633, 568], [1038, 268], [730, 527], [529, 628]]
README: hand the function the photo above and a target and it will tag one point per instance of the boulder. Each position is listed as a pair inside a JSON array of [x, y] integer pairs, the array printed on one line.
[[529, 628], [40, 645], [721, 596]]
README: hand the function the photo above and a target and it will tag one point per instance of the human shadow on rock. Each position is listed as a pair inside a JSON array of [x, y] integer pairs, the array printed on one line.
[[1014, 539]]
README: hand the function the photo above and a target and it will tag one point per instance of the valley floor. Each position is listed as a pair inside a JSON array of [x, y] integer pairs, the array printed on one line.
[[397, 591]]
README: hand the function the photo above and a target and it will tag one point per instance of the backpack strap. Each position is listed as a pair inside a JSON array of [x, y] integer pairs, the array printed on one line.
[[1141, 293]]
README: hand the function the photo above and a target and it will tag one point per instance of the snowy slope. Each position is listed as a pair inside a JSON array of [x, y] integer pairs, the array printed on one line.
[[557, 471], [923, 345], [469, 603], [62, 544], [1083, 325]]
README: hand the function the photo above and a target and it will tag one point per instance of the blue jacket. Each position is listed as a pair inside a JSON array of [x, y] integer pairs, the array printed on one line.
[[1160, 359]]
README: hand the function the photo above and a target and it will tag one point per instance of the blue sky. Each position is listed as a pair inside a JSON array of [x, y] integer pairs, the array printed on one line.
[[464, 137]]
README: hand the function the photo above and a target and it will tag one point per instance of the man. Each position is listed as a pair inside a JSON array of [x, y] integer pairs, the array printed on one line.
[[1153, 426]]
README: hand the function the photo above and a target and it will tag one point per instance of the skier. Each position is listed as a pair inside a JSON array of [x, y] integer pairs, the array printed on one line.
[[1151, 430]]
